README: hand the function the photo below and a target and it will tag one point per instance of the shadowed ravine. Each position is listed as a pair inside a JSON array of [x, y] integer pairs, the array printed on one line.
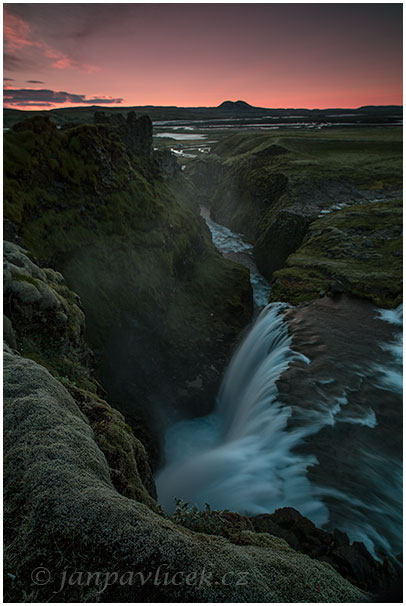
[[299, 422]]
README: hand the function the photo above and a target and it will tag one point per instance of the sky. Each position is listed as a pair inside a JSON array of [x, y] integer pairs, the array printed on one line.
[[193, 55]]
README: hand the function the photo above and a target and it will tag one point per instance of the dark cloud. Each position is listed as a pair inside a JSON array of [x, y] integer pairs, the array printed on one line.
[[11, 62], [8, 79], [29, 96], [35, 104], [35, 82]]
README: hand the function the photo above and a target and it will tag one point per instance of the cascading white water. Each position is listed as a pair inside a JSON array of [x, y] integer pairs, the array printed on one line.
[[228, 242], [241, 456], [245, 456]]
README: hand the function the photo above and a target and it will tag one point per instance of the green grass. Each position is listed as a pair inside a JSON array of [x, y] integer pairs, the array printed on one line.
[[371, 157]]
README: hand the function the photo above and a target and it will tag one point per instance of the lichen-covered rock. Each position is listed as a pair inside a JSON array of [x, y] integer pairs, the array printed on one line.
[[127, 459], [47, 318], [64, 514]]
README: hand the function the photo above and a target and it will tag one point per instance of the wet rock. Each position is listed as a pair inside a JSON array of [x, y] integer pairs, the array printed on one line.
[[352, 561]]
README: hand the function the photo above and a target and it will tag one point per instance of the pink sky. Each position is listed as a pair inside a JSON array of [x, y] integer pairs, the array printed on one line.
[[270, 55]]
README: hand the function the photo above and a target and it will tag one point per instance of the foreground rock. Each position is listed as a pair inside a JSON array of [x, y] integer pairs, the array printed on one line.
[[63, 513], [352, 561]]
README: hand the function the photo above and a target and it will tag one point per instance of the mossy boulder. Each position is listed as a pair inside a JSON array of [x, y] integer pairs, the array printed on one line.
[[46, 318]]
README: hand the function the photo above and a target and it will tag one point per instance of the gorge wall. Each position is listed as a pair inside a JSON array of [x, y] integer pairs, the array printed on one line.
[[162, 306], [284, 193]]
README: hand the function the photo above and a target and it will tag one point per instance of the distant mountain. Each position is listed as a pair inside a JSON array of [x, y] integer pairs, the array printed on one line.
[[234, 106], [381, 108]]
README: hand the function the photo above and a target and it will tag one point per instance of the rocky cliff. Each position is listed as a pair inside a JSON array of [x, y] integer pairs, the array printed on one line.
[[162, 306]]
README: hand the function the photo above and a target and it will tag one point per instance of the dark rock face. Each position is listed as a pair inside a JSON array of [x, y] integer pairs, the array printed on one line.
[[247, 196], [353, 561], [136, 132], [206, 175], [167, 162], [139, 135], [284, 235]]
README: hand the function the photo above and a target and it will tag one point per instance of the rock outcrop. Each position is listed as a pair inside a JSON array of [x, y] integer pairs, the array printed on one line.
[[136, 132], [167, 162], [357, 250], [44, 319], [352, 561]]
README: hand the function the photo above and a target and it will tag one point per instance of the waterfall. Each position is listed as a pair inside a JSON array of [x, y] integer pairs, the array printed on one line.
[[241, 457], [245, 457]]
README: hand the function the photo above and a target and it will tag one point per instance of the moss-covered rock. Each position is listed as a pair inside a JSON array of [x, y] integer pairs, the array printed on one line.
[[47, 318], [64, 514], [357, 250], [48, 327]]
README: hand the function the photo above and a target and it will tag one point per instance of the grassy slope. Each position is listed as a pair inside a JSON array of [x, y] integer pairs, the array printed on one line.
[[372, 157]]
